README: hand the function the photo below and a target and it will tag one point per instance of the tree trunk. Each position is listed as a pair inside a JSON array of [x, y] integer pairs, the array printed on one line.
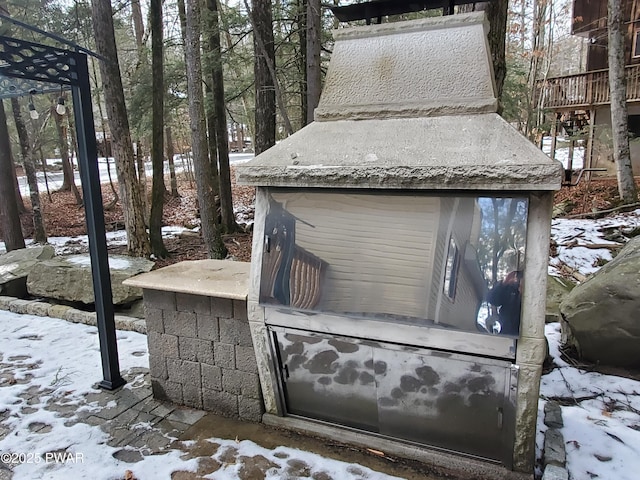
[[18, 195], [201, 164], [220, 114], [172, 167], [43, 164], [107, 144], [212, 135], [301, 20], [138, 24], [265, 116], [137, 238], [67, 171], [618, 91], [182, 15], [39, 233], [537, 44], [314, 44], [497, 11], [268, 53], [229, 44], [141, 175], [157, 131], [67, 168], [9, 216]]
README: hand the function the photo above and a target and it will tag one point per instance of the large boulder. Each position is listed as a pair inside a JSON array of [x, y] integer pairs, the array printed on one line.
[[601, 316], [557, 290], [69, 278], [16, 265]]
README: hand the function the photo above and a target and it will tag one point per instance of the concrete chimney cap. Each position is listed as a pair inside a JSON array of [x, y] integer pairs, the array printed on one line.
[[408, 105], [427, 67]]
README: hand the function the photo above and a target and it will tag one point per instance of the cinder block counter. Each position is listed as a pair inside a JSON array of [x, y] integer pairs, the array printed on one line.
[[200, 349]]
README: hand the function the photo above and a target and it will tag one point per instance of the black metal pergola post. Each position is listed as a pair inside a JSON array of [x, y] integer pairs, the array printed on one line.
[[27, 68]]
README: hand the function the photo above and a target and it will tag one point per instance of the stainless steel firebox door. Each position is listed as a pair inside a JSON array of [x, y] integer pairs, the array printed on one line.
[[449, 401]]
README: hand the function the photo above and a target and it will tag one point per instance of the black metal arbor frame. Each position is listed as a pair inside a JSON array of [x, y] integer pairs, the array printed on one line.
[[27, 68]]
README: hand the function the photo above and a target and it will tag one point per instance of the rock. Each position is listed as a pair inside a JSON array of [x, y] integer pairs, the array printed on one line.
[[69, 278], [16, 265], [557, 290], [554, 452], [553, 472], [562, 208], [600, 317], [553, 415], [135, 309]]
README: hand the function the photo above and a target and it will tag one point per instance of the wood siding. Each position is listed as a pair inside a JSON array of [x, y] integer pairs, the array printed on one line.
[[387, 254], [379, 249], [590, 20]]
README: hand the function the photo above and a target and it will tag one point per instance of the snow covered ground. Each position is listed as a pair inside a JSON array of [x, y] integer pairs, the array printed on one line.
[[61, 360], [80, 243], [575, 239], [562, 153], [106, 169], [601, 415]]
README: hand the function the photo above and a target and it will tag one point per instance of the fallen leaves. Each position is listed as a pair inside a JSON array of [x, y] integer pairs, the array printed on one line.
[[375, 452], [128, 475], [63, 218], [603, 458]]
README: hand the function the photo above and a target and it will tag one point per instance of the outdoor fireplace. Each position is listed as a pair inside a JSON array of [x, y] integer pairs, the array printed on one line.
[[400, 254]]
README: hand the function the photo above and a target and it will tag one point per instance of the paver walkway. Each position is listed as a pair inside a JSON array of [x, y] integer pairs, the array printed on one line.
[[138, 426]]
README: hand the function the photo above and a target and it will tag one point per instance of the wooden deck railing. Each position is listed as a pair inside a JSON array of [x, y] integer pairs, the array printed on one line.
[[585, 89]]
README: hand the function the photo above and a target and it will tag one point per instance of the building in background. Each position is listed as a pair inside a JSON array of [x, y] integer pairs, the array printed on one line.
[[578, 105]]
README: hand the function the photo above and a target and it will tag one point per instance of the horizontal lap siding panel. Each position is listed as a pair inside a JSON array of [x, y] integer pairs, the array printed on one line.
[[379, 249]]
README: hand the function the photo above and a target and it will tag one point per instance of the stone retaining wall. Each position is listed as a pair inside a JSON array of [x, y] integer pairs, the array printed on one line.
[[42, 308], [201, 353]]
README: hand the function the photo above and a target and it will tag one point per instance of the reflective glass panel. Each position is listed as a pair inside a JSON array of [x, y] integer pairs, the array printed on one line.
[[454, 261]]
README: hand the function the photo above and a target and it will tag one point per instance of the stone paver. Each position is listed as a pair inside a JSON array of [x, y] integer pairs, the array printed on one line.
[[140, 425]]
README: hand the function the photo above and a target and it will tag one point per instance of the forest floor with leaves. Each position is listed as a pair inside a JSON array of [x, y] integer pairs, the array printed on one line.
[[64, 218]]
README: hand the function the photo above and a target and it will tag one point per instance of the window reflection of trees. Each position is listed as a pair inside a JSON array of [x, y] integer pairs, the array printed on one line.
[[503, 234]]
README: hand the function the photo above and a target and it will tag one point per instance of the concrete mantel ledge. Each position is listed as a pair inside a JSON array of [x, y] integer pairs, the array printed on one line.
[[212, 278]]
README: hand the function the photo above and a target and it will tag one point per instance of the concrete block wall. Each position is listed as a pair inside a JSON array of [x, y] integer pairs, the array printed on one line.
[[201, 353]]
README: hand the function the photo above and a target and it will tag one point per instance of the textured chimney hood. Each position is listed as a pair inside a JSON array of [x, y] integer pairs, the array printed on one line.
[[408, 105]]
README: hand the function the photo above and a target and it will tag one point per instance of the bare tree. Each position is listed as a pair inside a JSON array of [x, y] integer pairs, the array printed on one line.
[[172, 168], [265, 116], [236, 71], [314, 45], [16, 187], [220, 116], [497, 12], [157, 130], [201, 164], [266, 81], [108, 151], [137, 238], [9, 216], [6, 30], [138, 24], [618, 91], [301, 21], [39, 233], [69, 182]]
